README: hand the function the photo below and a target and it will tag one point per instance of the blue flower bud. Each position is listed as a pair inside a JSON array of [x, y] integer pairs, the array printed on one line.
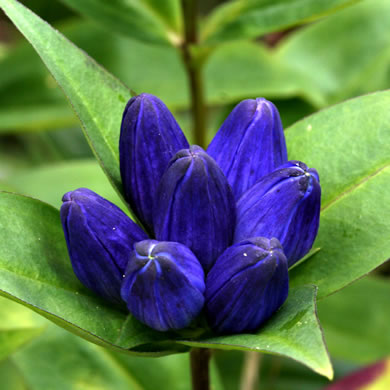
[[150, 136], [164, 285], [195, 205], [284, 204], [100, 238], [250, 144], [246, 285]]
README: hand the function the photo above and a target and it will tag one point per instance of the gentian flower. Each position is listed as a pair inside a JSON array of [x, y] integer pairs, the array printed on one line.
[[99, 237], [213, 220], [284, 204], [164, 284], [194, 205], [150, 137], [250, 144], [248, 282]]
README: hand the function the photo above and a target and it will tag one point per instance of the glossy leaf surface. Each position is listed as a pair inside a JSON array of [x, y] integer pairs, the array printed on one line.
[[348, 145]]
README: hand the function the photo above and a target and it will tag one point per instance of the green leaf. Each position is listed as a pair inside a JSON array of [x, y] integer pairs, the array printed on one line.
[[96, 96], [151, 21], [50, 182], [18, 327], [356, 321], [293, 331], [35, 271], [348, 145], [252, 18], [356, 46]]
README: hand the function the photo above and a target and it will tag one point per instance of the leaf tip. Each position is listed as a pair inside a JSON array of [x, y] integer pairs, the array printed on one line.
[[326, 370]]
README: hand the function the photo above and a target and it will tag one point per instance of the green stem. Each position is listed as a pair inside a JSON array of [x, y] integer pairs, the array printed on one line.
[[200, 358], [194, 71]]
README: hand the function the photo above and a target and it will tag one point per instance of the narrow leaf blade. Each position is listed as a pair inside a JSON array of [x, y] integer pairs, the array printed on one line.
[[131, 18], [96, 96], [252, 18]]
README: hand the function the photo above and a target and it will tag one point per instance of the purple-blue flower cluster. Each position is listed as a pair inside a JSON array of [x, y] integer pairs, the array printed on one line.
[[219, 227]]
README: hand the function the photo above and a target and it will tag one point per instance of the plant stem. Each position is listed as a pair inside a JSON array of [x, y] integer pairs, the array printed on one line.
[[250, 372], [200, 358], [194, 71]]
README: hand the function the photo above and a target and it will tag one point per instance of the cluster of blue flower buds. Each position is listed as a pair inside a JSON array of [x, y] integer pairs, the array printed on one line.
[[220, 228]]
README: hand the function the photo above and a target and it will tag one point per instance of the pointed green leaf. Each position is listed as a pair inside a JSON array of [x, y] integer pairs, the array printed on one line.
[[252, 18], [35, 271], [147, 20], [294, 332], [96, 96], [348, 145]]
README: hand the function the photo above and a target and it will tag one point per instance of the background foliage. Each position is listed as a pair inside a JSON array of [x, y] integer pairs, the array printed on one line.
[[309, 57]]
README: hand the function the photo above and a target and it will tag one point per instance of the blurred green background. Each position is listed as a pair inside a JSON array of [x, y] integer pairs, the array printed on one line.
[[43, 153]]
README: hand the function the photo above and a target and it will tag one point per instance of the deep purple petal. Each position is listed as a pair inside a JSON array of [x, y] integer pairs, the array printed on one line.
[[100, 238], [250, 144], [164, 285], [195, 205], [246, 285], [284, 204], [150, 136]]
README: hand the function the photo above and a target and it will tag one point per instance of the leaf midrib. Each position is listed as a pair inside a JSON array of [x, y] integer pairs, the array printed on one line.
[[357, 184]]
